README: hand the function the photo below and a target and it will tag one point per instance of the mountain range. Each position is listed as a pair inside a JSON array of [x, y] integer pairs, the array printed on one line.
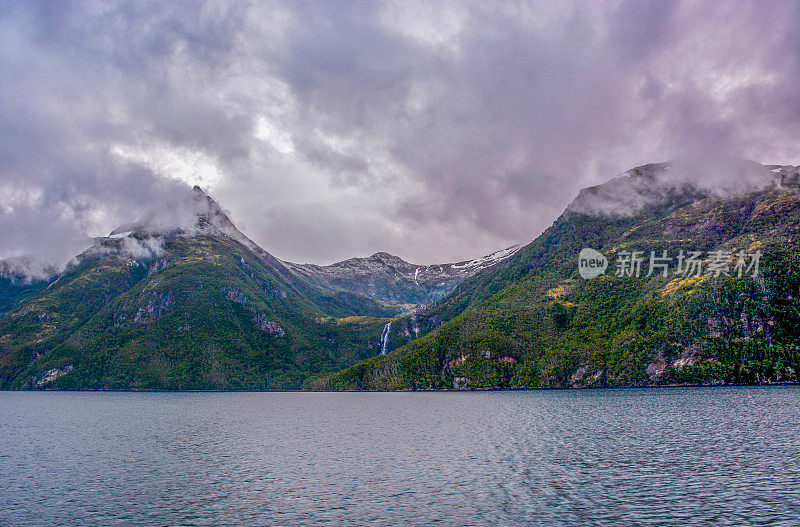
[[386, 277], [692, 276], [183, 300]]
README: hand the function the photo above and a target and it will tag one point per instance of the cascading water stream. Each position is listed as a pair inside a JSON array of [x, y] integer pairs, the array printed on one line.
[[385, 337]]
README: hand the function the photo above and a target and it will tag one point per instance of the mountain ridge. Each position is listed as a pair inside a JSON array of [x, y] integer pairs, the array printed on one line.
[[533, 322], [384, 276], [181, 299], [381, 276]]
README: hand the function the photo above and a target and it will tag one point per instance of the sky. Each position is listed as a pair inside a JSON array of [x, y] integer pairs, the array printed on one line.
[[436, 131]]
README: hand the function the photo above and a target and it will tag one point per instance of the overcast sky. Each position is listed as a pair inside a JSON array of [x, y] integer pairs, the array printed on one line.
[[437, 131]]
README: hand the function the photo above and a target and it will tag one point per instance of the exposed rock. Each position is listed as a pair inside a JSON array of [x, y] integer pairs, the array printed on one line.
[[234, 295], [460, 383], [159, 265], [269, 326], [54, 374], [457, 361], [689, 357], [582, 379], [577, 376], [154, 309], [656, 370]]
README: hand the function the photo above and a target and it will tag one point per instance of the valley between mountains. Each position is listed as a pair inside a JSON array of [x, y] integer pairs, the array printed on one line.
[[188, 302], [184, 301]]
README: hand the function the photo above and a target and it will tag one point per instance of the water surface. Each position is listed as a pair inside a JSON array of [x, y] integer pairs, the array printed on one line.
[[694, 456]]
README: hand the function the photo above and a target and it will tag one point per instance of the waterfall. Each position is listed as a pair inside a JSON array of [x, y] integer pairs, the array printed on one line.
[[385, 337]]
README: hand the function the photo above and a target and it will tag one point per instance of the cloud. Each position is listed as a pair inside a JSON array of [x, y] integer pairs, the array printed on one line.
[[663, 183], [334, 129]]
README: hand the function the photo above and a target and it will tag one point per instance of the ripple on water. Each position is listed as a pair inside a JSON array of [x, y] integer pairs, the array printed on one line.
[[691, 456]]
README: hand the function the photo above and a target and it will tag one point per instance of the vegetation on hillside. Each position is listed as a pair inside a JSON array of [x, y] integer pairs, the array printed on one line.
[[208, 313], [533, 322]]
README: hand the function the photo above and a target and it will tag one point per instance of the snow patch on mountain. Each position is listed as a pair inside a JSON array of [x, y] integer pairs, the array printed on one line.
[[489, 260], [386, 277]]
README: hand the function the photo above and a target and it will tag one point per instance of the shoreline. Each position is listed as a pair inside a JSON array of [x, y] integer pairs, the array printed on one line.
[[510, 389]]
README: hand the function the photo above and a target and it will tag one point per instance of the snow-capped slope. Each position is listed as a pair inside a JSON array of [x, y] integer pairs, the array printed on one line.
[[386, 277]]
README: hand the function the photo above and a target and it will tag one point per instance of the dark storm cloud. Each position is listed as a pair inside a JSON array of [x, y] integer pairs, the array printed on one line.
[[437, 131]]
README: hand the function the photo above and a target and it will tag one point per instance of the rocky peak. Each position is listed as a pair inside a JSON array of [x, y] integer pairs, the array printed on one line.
[[194, 212], [210, 214], [387, 258], [191, 214]]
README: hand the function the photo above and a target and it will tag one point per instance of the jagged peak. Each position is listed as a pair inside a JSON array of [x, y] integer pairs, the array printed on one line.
[[380, 257], [196, 211], [190, 214]]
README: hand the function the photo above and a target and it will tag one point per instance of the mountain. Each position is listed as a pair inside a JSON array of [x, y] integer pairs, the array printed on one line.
[[534, 321], [180, 300], [389, 278]]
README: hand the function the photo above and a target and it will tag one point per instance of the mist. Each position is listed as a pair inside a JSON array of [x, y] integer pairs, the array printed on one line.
[[700, 176]]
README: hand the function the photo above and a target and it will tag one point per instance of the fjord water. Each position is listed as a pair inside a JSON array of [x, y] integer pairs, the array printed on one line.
[[687, 456]]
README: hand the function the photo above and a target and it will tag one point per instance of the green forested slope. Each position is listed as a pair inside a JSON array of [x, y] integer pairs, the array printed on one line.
[[207, 314], [533, 322], [192, 308]]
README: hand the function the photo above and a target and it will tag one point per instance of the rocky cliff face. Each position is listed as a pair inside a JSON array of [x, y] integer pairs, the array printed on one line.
[[389, 278]]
